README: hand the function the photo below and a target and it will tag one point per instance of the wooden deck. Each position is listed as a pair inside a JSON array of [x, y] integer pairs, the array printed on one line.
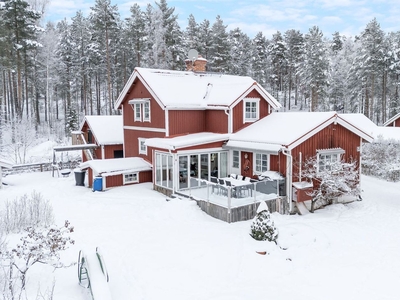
[[225, 207]]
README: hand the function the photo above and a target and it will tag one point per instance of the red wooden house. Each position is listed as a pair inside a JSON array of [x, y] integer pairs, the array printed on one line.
[[194, 125], [180, 120]]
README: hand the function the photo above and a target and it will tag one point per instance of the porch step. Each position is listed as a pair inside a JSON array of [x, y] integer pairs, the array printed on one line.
[[303, 210]]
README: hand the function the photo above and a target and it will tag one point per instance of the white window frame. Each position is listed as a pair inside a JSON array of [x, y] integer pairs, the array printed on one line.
[[328, 155], [258, 167], [142, 150], [141, 110], [129, 178], [235, 164], [146, 111], [254, 116], [137, 112]]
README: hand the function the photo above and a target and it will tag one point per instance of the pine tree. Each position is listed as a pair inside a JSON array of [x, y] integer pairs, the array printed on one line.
[[315, 66], [294, 42], [135, 38], [19, 33], [263, 228], [219, 49], [191, 35], [205, 40], [276, 53], [104, 19], [240, 54], [259, 59]]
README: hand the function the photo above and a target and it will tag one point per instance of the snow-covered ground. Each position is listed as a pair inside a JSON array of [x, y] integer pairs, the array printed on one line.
[[158, 249]]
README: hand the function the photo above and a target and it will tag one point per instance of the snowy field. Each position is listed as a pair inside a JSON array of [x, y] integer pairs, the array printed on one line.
[[158, 249]]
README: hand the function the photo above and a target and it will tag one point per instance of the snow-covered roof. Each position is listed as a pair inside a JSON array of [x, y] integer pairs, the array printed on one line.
[[362, 122], [117, 165], [191, 90], [188, 140], [290, 129], [392, 119], [387, 133], [107, 130], [5, 164]]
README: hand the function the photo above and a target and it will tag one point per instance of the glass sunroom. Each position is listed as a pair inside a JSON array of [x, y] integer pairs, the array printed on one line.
[[184, 162]]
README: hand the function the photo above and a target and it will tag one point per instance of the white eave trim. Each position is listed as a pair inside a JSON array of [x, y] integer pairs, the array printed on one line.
[[254, 146], [392, 119], [138, 100]]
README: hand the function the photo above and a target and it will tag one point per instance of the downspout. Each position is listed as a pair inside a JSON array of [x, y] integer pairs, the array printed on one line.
[[300, 162], [289, 169], [228, 113], [102, 152]]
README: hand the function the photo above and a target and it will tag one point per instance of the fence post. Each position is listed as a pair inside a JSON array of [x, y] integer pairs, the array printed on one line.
[[229, 203]]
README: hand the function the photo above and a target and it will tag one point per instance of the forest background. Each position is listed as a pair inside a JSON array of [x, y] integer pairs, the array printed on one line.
[[52, 75]]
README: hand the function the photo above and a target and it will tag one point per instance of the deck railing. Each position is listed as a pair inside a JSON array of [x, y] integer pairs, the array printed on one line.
[[237, 203]]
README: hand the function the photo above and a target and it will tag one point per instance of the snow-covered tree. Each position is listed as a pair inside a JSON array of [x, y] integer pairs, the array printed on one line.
[[315, 66], [205, 39], [278, 61], [259, 59], [240, 53], [333, 180], [294, 45], [263, 228], [218, 59]]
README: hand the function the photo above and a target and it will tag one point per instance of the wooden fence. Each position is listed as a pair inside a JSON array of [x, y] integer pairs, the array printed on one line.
[[36, 167]]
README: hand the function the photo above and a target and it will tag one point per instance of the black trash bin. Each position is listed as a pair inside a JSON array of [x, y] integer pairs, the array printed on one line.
[[80, 177]]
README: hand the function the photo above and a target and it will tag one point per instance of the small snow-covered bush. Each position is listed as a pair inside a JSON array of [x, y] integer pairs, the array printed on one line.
[[25, 212], [263, 228]]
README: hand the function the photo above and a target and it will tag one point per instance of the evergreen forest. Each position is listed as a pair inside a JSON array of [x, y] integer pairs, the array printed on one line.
[[53, 74]]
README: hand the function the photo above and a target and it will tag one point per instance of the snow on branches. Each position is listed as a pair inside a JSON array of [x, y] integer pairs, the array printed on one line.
[[337, 179]]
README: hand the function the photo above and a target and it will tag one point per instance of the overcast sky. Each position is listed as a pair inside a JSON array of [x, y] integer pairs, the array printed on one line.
[[345, 16]]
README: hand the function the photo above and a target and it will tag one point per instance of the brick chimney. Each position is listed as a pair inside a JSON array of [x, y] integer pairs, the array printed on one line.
[[198, 65]]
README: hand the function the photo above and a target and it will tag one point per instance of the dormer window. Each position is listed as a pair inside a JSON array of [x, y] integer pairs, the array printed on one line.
[[141, 109], [251, 109]]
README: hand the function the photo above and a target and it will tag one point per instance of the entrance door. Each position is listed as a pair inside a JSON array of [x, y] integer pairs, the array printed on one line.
[[247, 164]]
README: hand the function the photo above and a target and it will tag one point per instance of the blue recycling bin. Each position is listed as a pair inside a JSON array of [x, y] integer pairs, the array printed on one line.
[[97, 184]]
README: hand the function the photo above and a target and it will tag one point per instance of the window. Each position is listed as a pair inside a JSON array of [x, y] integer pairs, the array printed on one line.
[[328, 158], [251, 109], [235, 159], [141, 109], [142, 146], [131, 178], [261, 162], [146, 111], [138, 112]]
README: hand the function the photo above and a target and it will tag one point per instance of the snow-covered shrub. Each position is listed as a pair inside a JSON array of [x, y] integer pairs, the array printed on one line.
[[340, 179], [24, 212], [263, 228], [37, 246], [382, 159]]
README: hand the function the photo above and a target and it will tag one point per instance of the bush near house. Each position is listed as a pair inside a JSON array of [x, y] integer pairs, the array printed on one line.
[[382, 159]]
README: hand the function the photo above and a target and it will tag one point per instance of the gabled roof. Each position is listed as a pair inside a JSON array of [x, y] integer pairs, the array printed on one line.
[[185, 141], [391, 120], [107, 130], [290, 129], [191, 90]]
